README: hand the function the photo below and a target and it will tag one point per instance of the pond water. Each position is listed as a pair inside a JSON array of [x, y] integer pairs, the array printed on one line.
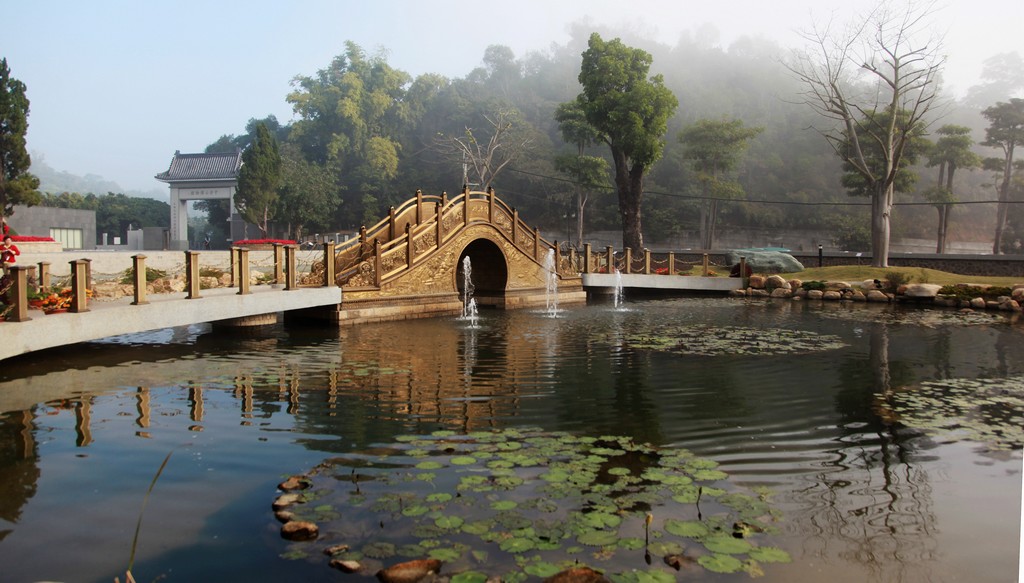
[[887, 441]]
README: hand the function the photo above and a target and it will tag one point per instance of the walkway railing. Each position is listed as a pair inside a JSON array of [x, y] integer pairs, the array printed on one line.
[[648, 263], [423, 224], [37, 278]]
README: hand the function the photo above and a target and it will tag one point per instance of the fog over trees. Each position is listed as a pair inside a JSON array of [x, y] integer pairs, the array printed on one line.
[[366, 136]]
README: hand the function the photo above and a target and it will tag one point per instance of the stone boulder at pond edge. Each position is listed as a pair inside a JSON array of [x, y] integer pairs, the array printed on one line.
[[766, 261]]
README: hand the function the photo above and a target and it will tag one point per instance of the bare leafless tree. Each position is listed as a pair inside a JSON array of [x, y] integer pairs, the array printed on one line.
[[887, 63], [485, 153]]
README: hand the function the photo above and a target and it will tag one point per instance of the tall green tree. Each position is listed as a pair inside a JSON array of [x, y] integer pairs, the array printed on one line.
[[901, 65], [587, 172], [630, 111], [17, 185], [1005, 132], [950, 152], [306, 196], [715, 147], [351, 116], [258, 180]]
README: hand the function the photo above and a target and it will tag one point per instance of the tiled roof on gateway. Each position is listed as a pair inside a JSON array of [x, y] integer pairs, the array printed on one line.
[[186, 167]]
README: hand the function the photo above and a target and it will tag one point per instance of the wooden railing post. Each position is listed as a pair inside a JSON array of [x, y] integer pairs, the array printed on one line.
[[362, 234], [536, 244], [465, 206], [743, 269], [408, 246], [419, 206], [44, 276], [392, 227], [139, 279], [192, 275], [586, 258], [243, 272], [629, 260], [18, 294], [705, 265], [290, 279], [647, 261], [558, 258], [329, 266], [671, 263], [573, 260], [279, 261], [611, 259], [515, 227], [79, 286]]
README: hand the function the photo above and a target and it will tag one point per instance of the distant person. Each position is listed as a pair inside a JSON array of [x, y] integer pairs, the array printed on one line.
[[9, 252], [206, 242]]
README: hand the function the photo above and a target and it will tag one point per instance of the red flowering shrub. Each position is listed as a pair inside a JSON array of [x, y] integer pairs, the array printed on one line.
[[30, 239]]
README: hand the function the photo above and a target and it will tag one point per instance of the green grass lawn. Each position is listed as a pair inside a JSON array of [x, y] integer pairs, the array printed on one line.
[[855, 273]]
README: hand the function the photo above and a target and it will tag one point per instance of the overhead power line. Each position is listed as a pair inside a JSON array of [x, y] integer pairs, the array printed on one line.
[[765, 201]]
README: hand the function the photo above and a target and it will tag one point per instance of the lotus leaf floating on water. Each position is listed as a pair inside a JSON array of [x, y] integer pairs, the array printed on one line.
[[556, 501]]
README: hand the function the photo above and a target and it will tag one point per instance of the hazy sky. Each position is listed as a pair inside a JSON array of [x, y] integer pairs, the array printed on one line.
[[117, 86]]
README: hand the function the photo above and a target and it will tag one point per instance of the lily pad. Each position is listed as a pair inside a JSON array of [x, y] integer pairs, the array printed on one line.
[[720, 563]]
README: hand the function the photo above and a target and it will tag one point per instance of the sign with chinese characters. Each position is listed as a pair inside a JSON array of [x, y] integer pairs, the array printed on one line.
[[205, 193]]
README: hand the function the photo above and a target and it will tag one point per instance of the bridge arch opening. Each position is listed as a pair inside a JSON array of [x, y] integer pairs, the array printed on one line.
[[489, 273]]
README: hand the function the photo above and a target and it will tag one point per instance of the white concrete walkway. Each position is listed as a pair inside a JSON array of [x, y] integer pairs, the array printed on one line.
[[116, 317]]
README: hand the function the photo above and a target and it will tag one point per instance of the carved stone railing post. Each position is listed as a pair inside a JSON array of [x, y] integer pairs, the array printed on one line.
[[743, 269], [536, 244], [139, 280], [440, 225], [515, 227], [465, 206], [88, 273], [629, 260], [362, 234], [192, 275], [408, 246], [377, 265], [329, 267], [392, 227], [234, 265], [79, 286], [671, 263], [279, 261], [18, 294], [705, 265], [610, 258], [647, 261], [490, 204], [243, 272], [586, 258], [44, 276], [419, 206], [558, 258], [290, 279]]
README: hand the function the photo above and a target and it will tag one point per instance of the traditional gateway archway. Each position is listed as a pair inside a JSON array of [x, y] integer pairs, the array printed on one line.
[[408, 265], [201, 177]]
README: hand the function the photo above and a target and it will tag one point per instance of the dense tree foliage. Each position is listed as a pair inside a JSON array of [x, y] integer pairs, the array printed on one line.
[[115, 212], [17, 185], [259, 179], [715, 147], [950, 152], [1005, 132]]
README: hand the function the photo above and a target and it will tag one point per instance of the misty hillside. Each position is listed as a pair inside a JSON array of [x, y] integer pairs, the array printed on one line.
[[57, 181]]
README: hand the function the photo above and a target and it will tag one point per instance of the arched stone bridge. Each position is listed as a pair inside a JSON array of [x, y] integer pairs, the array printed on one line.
[[409, 265]]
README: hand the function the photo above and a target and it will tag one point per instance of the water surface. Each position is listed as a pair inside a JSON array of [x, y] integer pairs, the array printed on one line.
[[880, 471]]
